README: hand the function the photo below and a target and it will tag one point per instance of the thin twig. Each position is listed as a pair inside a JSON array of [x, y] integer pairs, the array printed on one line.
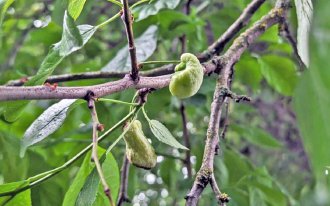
[[222, 197], [218, 46], [122, 197], [96, 128], [186, 139], [284, 31], [127, 19]]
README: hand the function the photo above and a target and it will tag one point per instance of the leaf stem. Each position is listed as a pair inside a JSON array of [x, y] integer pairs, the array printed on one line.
[[117, 101], [160, 62], [109, 20]]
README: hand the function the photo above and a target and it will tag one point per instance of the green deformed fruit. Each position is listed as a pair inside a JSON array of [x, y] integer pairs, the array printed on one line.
[[138, 149], [188, 77]]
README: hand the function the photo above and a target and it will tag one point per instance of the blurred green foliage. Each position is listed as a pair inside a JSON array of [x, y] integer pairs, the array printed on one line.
[[265, 159]]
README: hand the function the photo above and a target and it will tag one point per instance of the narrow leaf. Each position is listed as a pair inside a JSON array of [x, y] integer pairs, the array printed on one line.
[[75, 7], [21, 199], [164, 135], [145, 47], [92, 189], [47, 123], [304, 10], [78, 182]]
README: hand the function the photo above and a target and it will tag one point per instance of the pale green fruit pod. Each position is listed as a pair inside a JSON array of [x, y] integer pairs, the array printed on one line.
[[188, 77], [139, 151]]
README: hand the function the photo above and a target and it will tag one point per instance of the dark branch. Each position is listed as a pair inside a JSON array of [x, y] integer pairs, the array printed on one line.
[[186, 139], [128, 20], [122, 197]]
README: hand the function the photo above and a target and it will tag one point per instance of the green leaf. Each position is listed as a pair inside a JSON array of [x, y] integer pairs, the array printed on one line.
[[21, 199], [312, 100], [47, 123], [78, 182], [75, 7], [14, 167], [164, 135], [73, 39], [256, 136], [92, 188], [168, 173], [145, 46], [4, 5], [12, 110], [304, 10], [116, 2], [144, 11], [279, 72]]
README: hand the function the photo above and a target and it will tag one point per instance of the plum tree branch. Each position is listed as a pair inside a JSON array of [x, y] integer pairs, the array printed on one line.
[[43, 92], [128, 19], [205, 173]]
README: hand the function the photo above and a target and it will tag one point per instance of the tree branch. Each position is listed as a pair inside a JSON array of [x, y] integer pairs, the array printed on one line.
[[218, 46], [233, 54], [122, 197], [186, 139], [44, 92], [285, 32], [127, 19]]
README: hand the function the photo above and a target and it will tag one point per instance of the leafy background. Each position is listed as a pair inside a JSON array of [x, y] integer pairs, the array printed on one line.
[[276, 150]]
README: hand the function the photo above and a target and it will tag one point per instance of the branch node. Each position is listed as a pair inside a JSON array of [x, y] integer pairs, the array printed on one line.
[[237, 98], [224, 198], [143, 94]]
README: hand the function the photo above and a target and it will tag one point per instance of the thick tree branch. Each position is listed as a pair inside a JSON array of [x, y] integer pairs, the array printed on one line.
[[205, 174], [128, 19], [44, 92], [218, 46]]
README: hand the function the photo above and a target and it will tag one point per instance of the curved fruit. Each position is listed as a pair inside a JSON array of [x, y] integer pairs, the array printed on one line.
[[138, 149], [188, 77]]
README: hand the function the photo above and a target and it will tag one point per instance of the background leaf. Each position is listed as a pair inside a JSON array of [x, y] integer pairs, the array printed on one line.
[[279, 72], [256, 136], [145, 46], [152, 8], [75, 7]]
